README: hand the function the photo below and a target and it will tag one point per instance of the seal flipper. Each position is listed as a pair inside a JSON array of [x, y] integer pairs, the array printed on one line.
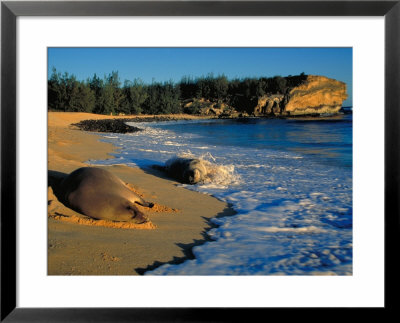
[[140, 201], [144, 203]]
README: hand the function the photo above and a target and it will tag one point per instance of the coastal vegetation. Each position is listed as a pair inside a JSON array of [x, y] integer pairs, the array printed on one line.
[[108, 95]]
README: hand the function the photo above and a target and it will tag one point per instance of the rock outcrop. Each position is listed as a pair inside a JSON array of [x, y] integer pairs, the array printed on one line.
[[315, 96], [106, 125], [269, 105], [208, 108], [301, 95]]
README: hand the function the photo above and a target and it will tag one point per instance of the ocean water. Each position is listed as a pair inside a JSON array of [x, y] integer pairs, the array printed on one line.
[[289, 180]]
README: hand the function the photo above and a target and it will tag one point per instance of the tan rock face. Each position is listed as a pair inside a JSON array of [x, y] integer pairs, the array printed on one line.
[[269, 105], [206, 107], [318, 94]]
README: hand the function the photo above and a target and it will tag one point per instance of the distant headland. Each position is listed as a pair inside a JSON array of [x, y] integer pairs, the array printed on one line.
[[300, 95]]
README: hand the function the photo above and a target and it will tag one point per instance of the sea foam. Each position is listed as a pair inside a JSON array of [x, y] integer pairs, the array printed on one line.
[[294, 215]]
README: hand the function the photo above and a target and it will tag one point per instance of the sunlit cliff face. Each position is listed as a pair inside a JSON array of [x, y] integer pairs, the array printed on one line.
[[316, 95]]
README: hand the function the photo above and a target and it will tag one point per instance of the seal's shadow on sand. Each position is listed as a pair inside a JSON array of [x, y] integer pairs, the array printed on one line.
[[188, 247], [155, 170], [54, 179]]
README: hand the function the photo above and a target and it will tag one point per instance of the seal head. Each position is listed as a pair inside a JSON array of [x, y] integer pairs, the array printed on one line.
[[186, 170]]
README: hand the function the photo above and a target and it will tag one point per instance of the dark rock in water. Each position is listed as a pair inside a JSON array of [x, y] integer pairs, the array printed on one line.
[[156, 118], [106, 125]]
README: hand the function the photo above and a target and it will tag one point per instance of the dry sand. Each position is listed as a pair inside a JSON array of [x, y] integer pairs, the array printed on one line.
[[78, 245]]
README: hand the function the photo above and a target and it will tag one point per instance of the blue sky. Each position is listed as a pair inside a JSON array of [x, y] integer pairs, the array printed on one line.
[[164, 64]]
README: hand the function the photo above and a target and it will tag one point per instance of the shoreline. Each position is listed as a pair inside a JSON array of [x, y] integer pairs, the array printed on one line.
[[118, 124], [77, 249]]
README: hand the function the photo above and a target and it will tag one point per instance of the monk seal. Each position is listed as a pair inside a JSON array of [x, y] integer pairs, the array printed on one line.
[[185, 170], [99, 194]]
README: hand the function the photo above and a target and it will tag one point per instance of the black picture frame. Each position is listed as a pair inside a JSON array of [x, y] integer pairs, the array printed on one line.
[[10, 10]]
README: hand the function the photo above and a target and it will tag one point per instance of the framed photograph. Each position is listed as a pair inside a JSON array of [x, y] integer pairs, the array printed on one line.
[[269, 168]]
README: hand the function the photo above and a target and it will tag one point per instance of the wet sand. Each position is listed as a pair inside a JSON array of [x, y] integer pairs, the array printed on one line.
[[83, 246]]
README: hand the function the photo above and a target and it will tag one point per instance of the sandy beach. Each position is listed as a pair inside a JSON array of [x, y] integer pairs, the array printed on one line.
[[79, 246]]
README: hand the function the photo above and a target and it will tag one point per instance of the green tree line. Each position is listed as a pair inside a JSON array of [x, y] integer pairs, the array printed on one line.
[[108, 95]]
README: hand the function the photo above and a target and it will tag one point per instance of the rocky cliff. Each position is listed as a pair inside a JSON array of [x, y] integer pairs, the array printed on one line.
[[207, 108], [318, 94], [314, 96]]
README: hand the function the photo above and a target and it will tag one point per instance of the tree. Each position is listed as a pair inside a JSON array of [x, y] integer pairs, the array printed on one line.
[[220, 87], [106, 100], [109, 97], [115, 88], [54, 93], [188, 88], [150, 105], [81, 97], [261, 87], [66, 93], [279, 84], [138, 96], [170, 98], [96, 85], [162, 98]]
